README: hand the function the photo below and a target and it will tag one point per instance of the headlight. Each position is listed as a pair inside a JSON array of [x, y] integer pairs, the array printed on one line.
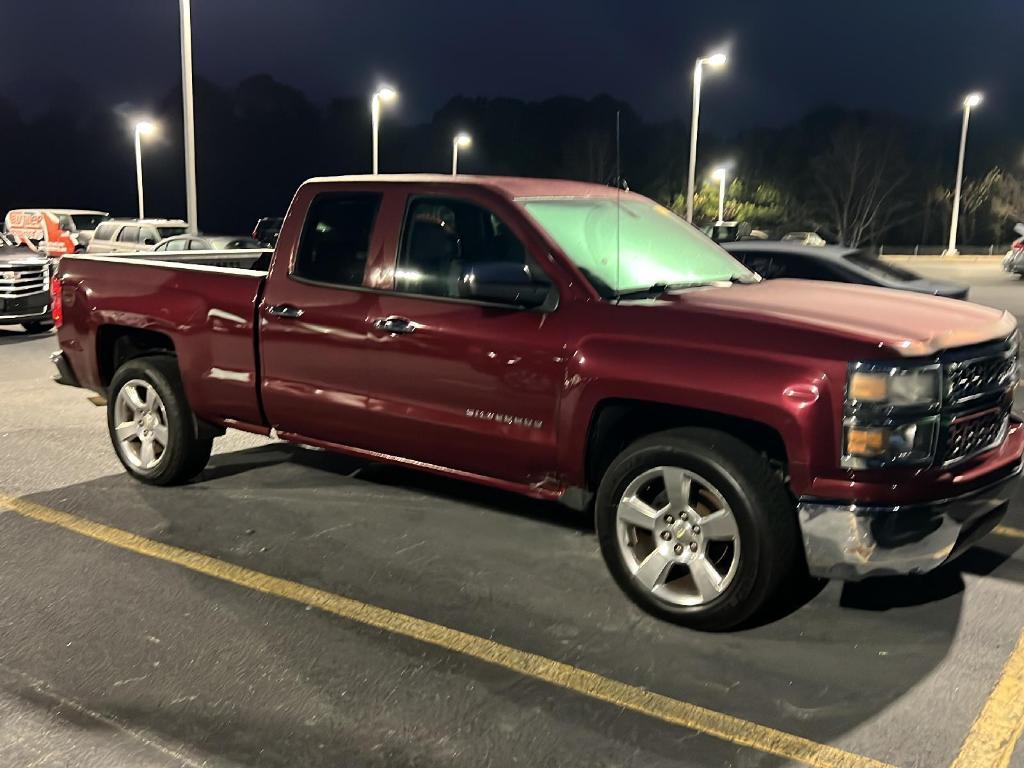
[[895, 386], [890, 415]]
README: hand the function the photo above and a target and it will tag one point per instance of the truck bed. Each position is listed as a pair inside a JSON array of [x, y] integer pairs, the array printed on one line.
[[207, 312]]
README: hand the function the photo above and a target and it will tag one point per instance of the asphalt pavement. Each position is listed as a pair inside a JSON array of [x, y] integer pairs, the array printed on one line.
[[293, 607]]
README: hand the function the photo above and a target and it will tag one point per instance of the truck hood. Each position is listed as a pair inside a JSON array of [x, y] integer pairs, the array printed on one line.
[[910, 324], [20, 256]]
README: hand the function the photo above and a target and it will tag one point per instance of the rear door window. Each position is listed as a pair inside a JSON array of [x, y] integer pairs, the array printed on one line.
[[128, 235], [336, 236]]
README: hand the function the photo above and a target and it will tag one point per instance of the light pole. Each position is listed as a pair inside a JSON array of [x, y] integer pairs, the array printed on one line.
[[142, 128], [719, 175], [714, 60], [384, 94], [970, 100], [460, 140], [191, 203]]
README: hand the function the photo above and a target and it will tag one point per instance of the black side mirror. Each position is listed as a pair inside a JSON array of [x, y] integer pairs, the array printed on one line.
[[504, 283], [149, 241]]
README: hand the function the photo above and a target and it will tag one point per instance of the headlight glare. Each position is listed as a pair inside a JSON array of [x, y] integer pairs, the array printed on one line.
[[895, 387]]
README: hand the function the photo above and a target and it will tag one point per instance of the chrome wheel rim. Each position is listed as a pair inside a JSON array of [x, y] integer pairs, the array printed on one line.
[[678, 536], [141, 425]]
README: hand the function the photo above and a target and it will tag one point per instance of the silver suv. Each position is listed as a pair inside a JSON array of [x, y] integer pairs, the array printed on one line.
[[133, 235]]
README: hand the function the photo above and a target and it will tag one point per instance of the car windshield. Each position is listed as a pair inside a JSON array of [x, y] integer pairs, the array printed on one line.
[[88, 220], [633, 246], [881, 268], [171, 231]]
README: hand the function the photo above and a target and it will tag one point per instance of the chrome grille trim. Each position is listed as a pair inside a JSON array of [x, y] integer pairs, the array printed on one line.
[[27, 280]]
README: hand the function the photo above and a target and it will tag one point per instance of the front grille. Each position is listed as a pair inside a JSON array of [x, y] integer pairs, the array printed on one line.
[[969, 380], [969, 435], [16, 282]]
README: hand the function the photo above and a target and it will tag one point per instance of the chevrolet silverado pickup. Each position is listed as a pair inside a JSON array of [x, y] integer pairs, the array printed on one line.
[[574, 342]]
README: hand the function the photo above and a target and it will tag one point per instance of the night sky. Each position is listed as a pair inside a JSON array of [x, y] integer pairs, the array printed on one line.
[[908, 56]]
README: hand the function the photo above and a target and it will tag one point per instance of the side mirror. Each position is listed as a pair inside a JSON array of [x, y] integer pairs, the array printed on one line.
[[149, 241], [504, 283]]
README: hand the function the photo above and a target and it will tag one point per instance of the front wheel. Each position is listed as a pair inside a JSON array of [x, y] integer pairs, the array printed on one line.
[[697, 527], [151, 425]]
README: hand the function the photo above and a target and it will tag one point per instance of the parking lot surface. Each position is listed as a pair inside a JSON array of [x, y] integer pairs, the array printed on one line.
[[293, 607]]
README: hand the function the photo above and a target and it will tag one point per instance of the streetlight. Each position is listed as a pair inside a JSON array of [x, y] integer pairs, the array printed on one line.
[[970, 100], [460, 140], [384, 94], [191, 204], [719, 174], [142, 128], [714, 60]]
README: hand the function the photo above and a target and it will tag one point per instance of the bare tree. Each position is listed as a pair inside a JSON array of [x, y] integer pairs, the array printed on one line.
[[861, 177], [1007, 202], [976, 193]]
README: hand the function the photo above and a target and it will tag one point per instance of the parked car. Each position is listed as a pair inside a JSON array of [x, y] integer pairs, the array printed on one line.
[[1013, 262], [729, 231], [53, 231], [24, 286], [807, 238], [837, 264], [133, 235], [267, 230], [206, 243], [571, 341]]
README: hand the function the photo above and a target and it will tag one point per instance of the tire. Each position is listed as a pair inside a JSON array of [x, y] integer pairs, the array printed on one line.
[[164, 416], [747, 571], [38, 326]]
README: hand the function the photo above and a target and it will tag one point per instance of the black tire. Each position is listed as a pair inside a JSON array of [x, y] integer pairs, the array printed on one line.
[[759, 501], [38, 326], [186, 453]]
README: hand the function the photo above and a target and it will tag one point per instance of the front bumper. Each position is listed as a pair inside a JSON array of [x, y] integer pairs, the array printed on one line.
[[852, 542], [24, 309]]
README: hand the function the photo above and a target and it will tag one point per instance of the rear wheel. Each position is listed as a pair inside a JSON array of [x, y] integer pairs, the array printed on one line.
[[38, 326], [152, 427], [696, 527]]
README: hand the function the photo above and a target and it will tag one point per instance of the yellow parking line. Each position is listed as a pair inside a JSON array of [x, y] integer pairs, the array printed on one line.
[[991, 740], [1005, 530], [631, 697]]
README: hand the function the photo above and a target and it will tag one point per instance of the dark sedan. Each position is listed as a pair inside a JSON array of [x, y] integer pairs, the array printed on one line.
[[837, 264]]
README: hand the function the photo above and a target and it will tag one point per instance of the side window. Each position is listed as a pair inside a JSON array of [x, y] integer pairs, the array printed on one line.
[[336, 235], [128, 235], [804, 269], [104, 232], [445, 240], [762, 263], [148, 236], [175, 245], [198, 245]]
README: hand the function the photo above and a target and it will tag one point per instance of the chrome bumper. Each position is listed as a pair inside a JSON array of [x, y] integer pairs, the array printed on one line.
[[852, 542]]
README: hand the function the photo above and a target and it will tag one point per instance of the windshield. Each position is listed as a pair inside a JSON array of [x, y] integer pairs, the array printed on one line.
[[88, 221], [171, 231], [653, 245], [878, 267]]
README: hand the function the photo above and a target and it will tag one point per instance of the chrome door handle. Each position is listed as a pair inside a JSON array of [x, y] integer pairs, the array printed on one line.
[[285, 310], [395, 324]]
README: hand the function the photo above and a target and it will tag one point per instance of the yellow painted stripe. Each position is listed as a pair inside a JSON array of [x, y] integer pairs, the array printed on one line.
[[1005, 530], [631, 697], [991, 740]]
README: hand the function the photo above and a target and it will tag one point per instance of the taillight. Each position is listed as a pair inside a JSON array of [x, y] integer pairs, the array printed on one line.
[[57, 308]]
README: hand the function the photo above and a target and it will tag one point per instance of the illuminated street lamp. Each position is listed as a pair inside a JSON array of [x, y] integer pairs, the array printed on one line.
[[142, 128], [971, 100], [714, 60], [719, 175], [384, 95], [460, 140]]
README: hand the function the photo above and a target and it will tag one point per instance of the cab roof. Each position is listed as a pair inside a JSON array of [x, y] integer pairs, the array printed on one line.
[[513, 187]]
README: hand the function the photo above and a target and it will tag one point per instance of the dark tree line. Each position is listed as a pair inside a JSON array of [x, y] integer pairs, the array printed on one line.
[[859, 177]]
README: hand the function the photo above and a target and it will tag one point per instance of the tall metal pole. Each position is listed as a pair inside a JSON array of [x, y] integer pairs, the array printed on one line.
[[951, 250], [191, 203], [138, 172], [455, 156], [375, 125], [691, 176]]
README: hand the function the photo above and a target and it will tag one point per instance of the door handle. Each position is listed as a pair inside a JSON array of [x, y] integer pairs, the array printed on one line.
[[285, 310], [395, 324]]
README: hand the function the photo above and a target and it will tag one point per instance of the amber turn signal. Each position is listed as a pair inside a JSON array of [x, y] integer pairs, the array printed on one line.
[[869, 387], [866, 442]]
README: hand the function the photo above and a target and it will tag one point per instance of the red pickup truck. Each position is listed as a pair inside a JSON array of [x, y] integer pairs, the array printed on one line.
[[575, 342]]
